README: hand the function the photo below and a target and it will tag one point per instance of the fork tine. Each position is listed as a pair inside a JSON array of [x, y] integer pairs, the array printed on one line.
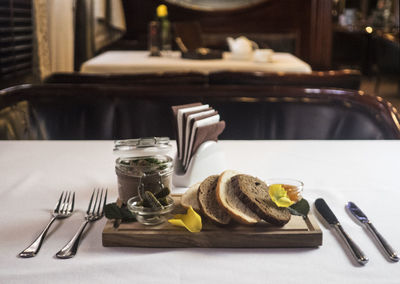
[[98, 207], [104, 203], [90, 202], [71, 207], [59, 203], [65, 203], [95, 203]]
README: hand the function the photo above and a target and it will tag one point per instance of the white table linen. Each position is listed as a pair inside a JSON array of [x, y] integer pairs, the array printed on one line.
[[33, 173], [131, 62]]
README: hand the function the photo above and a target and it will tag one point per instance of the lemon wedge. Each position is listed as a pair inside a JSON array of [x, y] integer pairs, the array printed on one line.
[[279, 195], [191, 220]]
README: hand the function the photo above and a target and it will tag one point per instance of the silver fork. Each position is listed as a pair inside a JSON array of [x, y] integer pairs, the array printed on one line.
[[94, 212], [63, 209]]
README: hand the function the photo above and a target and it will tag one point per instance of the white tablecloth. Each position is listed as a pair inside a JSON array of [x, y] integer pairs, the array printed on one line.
[[130, 62], [34, 173]]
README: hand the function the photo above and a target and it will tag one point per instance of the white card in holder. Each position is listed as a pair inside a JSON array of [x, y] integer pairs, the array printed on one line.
[[179, 124], [188, 130], [199, 123]]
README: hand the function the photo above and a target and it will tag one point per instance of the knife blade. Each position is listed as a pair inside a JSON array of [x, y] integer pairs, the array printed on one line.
[[328, 215], [362, 218]]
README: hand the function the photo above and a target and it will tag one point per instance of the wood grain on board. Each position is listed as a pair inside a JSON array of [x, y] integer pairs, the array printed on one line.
[[298, 232]]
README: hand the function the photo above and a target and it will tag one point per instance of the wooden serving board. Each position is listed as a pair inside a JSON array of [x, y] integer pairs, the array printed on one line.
[[297, 233]]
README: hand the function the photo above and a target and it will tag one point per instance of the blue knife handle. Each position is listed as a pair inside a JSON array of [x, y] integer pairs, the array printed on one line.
[[354, 249], [388, 249]]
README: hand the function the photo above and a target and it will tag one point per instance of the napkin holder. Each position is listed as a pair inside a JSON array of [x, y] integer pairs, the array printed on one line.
[[208, 160]]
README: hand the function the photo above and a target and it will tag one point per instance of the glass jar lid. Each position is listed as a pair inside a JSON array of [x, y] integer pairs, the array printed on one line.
[[147, 146]]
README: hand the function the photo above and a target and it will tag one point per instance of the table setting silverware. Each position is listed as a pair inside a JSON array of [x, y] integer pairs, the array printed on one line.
[[330, 217], [363, 219], [63, 209], [94, 212]]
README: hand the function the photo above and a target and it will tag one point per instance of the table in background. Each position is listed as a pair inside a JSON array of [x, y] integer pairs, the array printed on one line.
[[33, 173], [131, 62]]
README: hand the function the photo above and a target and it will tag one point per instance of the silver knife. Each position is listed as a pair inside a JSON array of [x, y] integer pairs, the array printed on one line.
[[360, 216], [328, 215]]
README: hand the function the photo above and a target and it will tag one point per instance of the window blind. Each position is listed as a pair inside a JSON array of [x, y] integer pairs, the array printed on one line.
[[16, 30]]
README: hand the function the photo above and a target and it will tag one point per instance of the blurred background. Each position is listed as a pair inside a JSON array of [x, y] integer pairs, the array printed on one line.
[[41, 37]]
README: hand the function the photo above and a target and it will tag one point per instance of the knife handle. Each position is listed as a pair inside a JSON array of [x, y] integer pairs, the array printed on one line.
[[388, 249], [354, 249]]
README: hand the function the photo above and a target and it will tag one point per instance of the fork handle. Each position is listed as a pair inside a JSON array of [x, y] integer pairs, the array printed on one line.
[[70, 249], [34, 248]]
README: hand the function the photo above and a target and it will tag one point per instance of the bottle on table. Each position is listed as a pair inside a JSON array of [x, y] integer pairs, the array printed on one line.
[[165, 28]]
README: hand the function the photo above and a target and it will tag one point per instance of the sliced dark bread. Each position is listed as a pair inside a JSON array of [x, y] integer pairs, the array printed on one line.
[[208, 201], [254, 193], [228, 199]]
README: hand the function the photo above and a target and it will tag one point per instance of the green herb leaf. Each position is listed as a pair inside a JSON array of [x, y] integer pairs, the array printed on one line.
[[112, 211], [148, 162], [300, 208], [127, 215]]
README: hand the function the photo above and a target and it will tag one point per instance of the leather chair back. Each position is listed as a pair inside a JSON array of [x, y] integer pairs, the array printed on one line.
[[73, 111]]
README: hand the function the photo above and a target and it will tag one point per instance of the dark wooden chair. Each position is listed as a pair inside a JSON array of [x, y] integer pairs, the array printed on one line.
[[346, 79], [163, 78], [71, 111]]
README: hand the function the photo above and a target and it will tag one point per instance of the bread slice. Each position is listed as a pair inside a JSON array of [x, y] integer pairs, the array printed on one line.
[[208, 201], [189, 198], [254, 193], [227, 197]]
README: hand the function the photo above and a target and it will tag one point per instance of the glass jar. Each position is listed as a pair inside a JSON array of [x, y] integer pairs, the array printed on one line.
[[142, 166], [149, 215]]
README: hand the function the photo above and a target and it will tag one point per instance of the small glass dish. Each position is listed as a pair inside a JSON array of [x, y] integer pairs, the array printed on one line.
[[294, 187], [147, 215]]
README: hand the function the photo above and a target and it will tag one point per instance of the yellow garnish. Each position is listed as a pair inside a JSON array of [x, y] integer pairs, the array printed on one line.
[[191, 220], [279, 195], [162, 11]]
